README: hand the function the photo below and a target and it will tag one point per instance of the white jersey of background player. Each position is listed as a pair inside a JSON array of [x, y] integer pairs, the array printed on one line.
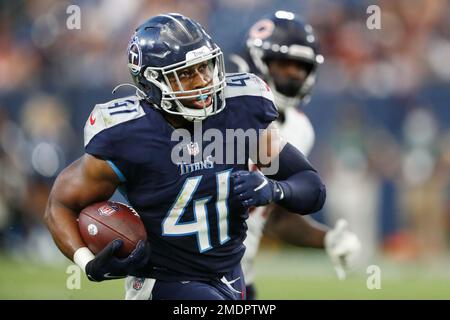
[[282, 49]]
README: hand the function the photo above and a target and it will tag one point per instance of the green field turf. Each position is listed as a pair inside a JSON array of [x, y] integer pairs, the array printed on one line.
[[287, 274]]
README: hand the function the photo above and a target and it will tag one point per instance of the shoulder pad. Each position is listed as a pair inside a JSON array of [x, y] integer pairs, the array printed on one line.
[[247, 84], [110, 114]]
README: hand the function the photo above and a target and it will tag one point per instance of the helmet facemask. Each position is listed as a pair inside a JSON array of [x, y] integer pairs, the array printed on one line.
[[286, 94], [290, 91], [285, 36], [169, 80]]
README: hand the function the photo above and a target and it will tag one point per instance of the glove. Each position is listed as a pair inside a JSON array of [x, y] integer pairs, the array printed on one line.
[[343, 248], [106, 266], [254, 189]]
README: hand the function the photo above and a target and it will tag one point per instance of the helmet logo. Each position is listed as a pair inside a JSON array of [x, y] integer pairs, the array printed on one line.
[[262, 29], [197, 53], [134, 57]]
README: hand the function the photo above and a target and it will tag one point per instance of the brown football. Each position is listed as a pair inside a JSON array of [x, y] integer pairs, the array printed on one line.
[[102, 222]]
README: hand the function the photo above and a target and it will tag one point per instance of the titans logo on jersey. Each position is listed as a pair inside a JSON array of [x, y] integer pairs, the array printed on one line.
[[195, 229]]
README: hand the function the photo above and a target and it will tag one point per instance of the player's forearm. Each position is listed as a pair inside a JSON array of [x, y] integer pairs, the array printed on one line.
[[312, 239], [63, 225], [315, 233], [86, 181], [295, 229]]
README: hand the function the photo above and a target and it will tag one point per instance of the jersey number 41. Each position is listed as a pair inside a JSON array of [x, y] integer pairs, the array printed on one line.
[[171, 225]]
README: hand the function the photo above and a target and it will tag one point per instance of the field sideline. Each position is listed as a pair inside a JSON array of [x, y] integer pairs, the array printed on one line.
[[287, 274]]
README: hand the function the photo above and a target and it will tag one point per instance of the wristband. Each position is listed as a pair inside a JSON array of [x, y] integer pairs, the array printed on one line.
[[82, 256]]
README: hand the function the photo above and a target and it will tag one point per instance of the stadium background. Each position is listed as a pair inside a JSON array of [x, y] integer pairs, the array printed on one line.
[[380, 110]]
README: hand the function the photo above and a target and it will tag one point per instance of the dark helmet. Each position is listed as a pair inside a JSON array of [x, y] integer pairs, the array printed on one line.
[[163, 45], [282, 36]]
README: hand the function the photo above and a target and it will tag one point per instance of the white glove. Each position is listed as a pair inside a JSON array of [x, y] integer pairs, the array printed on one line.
[[343, 247]]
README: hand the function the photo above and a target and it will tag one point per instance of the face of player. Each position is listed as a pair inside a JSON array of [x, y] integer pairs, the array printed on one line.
[[194, 77], [288, 75]]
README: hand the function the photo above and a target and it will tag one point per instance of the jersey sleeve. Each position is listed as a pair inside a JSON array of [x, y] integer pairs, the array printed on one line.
[[269, 112], [255, 98], [97, 139], [265, 111], [105, 133]]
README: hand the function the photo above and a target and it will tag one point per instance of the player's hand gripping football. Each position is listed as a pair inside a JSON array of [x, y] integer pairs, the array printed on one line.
[[254, 189], [343, 248], [106, 266]]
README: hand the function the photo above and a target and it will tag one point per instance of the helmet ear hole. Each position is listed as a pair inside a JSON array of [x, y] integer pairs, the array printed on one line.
[[150, 74], [153, 94]]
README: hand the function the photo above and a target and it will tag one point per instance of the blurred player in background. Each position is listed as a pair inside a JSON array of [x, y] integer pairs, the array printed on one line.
[[194, 210], [283, 50]]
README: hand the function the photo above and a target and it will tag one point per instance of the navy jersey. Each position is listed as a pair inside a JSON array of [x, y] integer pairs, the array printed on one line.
[[195, 229]]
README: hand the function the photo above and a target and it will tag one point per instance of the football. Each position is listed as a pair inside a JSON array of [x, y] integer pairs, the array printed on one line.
[[102, 222]]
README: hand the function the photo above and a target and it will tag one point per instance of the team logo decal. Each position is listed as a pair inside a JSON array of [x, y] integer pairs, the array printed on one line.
[[138, 283], [134, 57], [192, 148], [262, 29], [107, 209]]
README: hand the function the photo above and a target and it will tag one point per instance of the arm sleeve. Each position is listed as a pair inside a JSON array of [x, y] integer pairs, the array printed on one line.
[[303, 189]]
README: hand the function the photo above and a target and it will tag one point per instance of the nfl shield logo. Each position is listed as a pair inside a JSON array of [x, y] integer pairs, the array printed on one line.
[[107, 209], [192, 148], [138, 283]]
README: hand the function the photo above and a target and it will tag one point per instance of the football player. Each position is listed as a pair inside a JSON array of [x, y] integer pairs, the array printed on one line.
[[194, 208], [283, 50]]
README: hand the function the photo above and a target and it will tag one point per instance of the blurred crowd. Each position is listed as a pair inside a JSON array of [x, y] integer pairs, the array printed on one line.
[[380, 108]]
